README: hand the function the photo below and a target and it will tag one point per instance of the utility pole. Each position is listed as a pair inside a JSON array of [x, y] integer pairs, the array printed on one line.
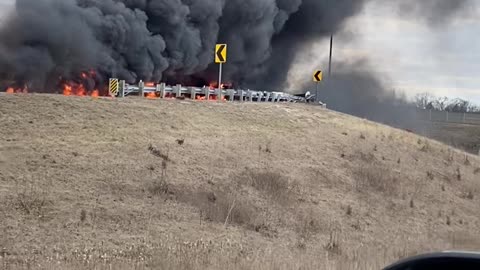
[[330, 59]]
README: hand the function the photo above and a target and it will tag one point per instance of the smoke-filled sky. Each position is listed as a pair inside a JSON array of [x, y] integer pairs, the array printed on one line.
[[408, 54], [409, 47]]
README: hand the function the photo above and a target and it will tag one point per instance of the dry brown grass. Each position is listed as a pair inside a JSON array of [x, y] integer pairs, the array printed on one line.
[[228, 208], [273, 184], [308, 224], [376, 178], [30, 199], [116, 189]]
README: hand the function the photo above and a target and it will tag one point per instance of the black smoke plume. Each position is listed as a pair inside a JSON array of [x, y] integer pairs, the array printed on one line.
[[46, 41], [154, 40]]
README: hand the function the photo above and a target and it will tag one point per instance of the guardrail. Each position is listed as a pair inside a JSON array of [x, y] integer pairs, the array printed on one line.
[[162, 90]]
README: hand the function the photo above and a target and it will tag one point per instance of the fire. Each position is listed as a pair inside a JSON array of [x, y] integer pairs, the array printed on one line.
[[214, 85], [150, 84], [74, 89], [12, 90], [151, 95], [67, 90], [80, 90]]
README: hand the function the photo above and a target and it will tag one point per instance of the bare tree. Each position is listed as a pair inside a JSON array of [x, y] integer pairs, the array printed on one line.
[[458, 105], [424, 100], [472, 108], [441, 103], [428, 101]]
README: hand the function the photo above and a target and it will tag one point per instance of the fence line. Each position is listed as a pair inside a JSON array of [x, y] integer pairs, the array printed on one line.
[[448, 117]]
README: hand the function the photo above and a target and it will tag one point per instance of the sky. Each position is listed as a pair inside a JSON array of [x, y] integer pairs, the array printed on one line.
[[407, 54]]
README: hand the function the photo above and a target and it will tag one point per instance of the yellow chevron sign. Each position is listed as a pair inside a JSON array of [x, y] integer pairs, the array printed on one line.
[[318, 76], [113, 87], [221, 53]]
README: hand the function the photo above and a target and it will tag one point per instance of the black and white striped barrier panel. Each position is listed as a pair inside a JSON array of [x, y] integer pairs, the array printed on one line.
[[205, 93]]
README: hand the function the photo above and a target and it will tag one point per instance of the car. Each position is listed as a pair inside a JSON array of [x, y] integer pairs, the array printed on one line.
[[451, 260]]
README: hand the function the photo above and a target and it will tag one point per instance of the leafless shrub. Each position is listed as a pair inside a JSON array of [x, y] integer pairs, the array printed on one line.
[[272, 183], [367, 158], [468, 195], [450, 156], [412, 203], [448, 222], [158, 153], [377, 178], [180, 141], [83, 215], [32, 201], [430, 175], [476, 171], [159, 187], [349, 210], [301, 243], [362, 137], [268, 148], [425, 146], [308, 224], [357, 226], [467, 161], [458, 174], [223, 207], [333, 244]]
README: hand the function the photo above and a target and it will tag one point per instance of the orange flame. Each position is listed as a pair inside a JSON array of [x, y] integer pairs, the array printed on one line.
[[12, 90], [80, 90], [151, 95], [212, 85], [67, 90], [150, 84], [72, 89], [95, 93]]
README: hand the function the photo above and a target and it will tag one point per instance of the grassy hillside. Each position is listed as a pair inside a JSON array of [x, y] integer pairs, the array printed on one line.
[[462, 136], [140, 184]]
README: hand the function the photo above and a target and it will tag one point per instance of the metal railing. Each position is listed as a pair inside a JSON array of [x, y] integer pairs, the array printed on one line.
[[162, 90]]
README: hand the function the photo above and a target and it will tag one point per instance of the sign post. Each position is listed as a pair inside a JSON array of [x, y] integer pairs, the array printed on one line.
[[317, 78], [220, 58]]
